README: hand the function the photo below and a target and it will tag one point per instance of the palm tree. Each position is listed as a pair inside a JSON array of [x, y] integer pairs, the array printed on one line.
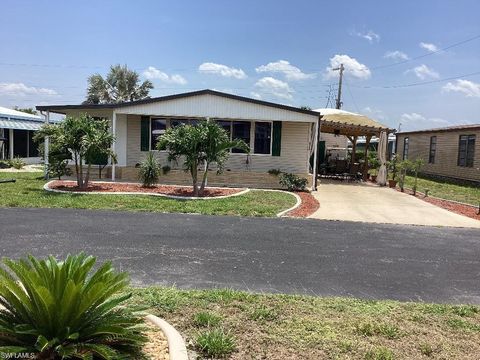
[[204, 144], [120, 85]]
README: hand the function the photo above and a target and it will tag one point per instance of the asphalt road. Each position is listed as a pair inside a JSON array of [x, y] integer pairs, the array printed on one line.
[[263, 255]]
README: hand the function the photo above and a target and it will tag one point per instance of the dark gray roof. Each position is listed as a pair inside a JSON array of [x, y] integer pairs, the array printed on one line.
[[442, 129]]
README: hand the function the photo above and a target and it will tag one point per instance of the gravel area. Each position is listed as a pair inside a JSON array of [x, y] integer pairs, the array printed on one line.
[[157, 346]]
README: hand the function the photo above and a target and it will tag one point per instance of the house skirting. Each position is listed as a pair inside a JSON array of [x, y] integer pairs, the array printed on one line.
[[179, 177]]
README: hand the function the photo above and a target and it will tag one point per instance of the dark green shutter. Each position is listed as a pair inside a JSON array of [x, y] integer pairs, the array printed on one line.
[[145, 133], [277, 138]]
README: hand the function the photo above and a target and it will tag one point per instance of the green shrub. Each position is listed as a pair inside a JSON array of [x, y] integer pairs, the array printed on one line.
[[149, 170], [4, 164], [17, 163], [274, 172], [264, 313], [215, 343], [59, 310], [293, 182], [204, 319], [166, 169]]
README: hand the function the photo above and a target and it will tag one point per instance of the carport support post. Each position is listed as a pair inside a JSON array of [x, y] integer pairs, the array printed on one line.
[[47, 147], [114, 131], [315, 154], [365, 164]]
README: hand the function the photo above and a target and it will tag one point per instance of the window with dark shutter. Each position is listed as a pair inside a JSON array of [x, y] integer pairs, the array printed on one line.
[[277, 138], [145, 133], [405, 148], [433, 149], [466, 150]]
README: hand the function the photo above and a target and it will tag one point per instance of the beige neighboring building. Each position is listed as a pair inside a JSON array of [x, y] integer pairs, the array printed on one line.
[[452, 152]]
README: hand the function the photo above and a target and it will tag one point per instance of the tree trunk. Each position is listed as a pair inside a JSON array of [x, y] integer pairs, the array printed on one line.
[[204, 180], [87, 176], [81, 173], [77, 170], [194, 172]]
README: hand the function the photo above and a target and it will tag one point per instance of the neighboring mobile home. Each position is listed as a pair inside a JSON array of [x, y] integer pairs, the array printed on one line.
[[451, 152], [16, 135]]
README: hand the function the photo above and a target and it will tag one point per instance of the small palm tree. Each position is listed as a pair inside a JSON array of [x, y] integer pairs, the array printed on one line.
[[204, 144]]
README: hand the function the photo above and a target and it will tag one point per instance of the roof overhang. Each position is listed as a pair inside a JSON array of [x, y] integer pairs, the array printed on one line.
[[20, 124]]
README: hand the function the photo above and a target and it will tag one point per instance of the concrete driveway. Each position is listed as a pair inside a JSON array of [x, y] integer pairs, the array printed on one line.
[[374, 204]]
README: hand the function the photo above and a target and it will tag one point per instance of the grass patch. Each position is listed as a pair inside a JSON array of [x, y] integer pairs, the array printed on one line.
[[469, 194], [28, 192], [206, 319], [215, 343], [292, 326]]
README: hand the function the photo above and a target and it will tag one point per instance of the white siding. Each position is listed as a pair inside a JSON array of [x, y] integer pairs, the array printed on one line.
[[216, 107], [294, 154]]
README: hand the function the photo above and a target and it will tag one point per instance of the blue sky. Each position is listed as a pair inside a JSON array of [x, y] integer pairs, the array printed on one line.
[[274, 50]]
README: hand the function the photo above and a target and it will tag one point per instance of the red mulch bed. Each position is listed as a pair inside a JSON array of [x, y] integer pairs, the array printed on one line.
[[461, 209], [308, 206], [125, 187]]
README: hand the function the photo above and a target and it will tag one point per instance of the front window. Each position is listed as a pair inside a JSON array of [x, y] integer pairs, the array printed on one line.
[[158, 127], [241, 130], [466, 150], [405, 148], [433, 149], [263, 137]]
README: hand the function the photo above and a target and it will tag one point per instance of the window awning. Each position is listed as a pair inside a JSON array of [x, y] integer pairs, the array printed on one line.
[[20, 124]]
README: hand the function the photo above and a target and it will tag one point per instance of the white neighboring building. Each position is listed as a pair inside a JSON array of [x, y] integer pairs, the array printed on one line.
[[16, 135]]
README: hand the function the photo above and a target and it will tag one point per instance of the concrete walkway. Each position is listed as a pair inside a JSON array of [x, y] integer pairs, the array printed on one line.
[[367, 203]]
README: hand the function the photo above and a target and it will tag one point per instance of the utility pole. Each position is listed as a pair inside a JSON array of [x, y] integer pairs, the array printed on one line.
[[339, 96]]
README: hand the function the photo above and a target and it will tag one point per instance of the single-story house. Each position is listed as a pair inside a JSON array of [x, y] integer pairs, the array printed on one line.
[[280, 136], [16, 135], [450, 152]]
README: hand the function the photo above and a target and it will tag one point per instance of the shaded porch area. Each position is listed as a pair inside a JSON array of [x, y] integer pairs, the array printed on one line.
[[354, 127]]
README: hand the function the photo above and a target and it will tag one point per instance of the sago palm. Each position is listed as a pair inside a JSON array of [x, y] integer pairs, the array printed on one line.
[[59, 310]]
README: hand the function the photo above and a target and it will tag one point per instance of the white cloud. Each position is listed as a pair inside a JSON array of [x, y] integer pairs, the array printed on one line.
[[255, 95], [414, 120], [153, 73], [274, 87], [223, 70], [370, 35], [21, 90], [423, 72], [375, 113], [466, 87], [352, 67], [282, 66], [396, 55], [428, 46]]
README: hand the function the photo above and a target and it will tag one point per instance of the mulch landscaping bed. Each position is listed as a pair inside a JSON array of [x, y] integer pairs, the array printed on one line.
[[462, 209], [127, 187], [157, 346], [308, 207]]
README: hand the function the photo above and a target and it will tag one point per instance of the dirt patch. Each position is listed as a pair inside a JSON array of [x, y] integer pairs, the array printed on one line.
[[157, 346], [308, 207], [128, 187], [462, 209]]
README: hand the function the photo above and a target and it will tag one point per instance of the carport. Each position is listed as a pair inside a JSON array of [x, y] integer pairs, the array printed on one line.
[[353, 126]]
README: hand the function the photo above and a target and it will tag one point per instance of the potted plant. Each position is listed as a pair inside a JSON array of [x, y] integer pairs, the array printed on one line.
[[392, 168], [373, 164], [403, 167]]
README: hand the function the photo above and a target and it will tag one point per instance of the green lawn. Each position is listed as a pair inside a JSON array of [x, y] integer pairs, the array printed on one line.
[[304, 327], [28, 192], [469, 194]]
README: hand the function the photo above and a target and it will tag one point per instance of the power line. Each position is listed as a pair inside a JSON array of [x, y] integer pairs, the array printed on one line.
[[418, 83]]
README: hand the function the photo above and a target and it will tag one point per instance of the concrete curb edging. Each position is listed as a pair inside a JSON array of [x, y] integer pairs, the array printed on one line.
[[297, 204], [177, 350], [48, 188]]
